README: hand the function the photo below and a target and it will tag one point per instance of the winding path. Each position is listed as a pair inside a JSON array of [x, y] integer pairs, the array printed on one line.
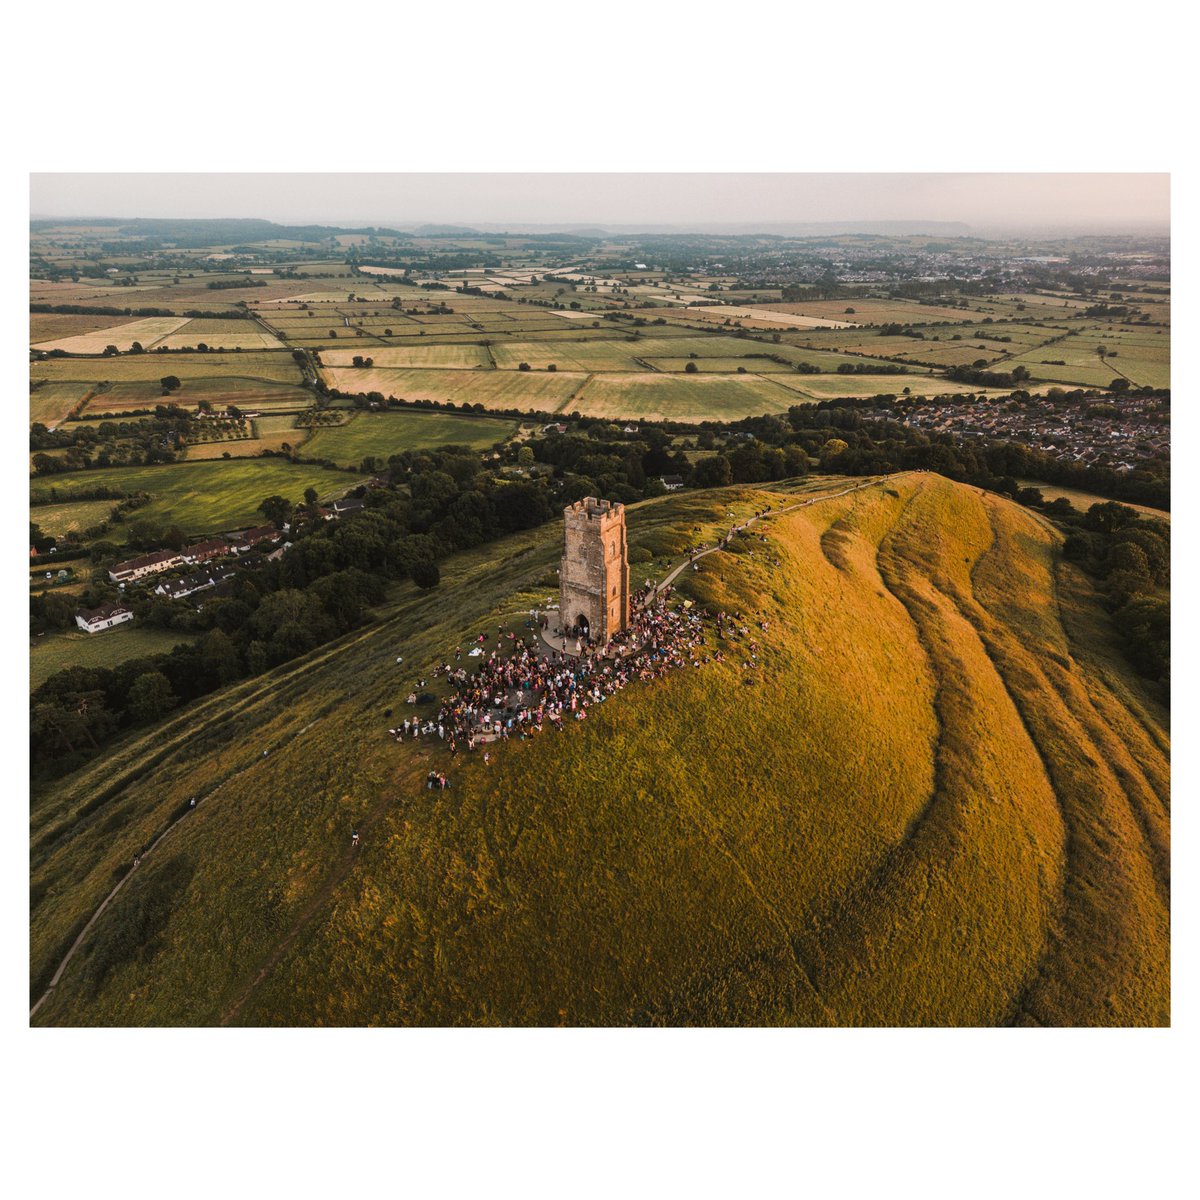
[[774, 512]]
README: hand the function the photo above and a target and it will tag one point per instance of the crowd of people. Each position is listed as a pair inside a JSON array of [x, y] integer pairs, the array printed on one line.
[[521, 686]]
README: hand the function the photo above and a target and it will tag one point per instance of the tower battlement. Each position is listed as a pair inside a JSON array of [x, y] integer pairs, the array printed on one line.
[[594, 575], [590, 509]]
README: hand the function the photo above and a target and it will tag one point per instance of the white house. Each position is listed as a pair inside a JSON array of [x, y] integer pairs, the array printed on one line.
[[93, 620], [147, 564]]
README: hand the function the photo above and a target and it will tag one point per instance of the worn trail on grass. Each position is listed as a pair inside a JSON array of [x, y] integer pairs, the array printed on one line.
[[166, 833]]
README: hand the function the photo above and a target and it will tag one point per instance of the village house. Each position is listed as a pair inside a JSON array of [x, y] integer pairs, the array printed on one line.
[[197, 581], [239, 543], [147, 564], [340, 508], [203, 551], [672, 482], [93, 620], [554, 427]]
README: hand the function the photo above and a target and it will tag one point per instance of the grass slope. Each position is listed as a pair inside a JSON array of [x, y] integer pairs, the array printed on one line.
[[940, 799]]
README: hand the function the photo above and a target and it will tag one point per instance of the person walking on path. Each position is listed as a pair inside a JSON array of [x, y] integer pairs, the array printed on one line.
[[354, 837]]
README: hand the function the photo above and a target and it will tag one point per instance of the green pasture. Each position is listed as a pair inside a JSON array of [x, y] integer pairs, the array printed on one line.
[[203, 497], [385, 434], [55, 652]]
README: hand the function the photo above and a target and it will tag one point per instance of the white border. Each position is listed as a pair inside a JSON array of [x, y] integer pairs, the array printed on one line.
[[623, 86]]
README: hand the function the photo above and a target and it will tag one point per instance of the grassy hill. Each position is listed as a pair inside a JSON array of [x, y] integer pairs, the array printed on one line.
[[940, 798]]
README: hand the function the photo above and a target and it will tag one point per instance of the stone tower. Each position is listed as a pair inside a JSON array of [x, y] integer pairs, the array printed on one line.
[[594, 577]]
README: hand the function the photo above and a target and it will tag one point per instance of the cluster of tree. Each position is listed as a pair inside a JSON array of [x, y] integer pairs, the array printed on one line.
[[1109, 312], [222, 284], [606, 463], [160, 438], [98, 310], [992, 379], [870, 368], [52, 495], [93, 310], [1131, 555]]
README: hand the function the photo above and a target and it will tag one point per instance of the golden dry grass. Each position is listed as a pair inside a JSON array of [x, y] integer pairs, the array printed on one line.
[[147, 330]]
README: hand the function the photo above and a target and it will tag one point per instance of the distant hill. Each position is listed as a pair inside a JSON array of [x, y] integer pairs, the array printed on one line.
[[729, 228], [445, 231], [939, 797], [202, 232]]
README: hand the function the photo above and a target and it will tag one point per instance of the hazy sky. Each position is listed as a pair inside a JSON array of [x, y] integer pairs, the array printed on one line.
[[985, 201]]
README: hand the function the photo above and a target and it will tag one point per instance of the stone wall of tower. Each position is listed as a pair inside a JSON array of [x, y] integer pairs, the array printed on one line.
[[594, 575]]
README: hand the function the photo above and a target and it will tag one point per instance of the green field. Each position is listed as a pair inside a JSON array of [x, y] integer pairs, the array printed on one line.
[[385, 434], [248, 394], [591, 355], [721, 366], [1141, 356], [960, 819], [229, 335], [60, 519], [50, 403], [57, 651], [203, 497], [463, 356], [277, 367], [546, 391], [681, 397], [251, 379]]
